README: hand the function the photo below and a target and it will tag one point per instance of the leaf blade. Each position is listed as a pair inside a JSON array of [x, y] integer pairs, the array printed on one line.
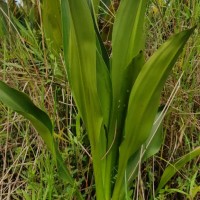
[[22, 104], [143, 106], [81, 50], [170, 171], [82, 67], [130, 19]]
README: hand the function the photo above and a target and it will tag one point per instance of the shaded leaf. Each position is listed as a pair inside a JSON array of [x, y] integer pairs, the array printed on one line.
[[104, 88], [129, 77]]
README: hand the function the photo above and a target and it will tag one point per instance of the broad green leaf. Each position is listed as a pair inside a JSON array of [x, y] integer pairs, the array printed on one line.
[[83, 81], [145, 94], [128, 43], [22, 104], [144, 99], [171, 170], [155, 139], [101, 48], [104, 88], [149, 148], [129, 76], [82, 63]]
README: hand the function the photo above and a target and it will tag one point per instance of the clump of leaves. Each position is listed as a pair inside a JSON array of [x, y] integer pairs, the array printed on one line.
[[117, 97]]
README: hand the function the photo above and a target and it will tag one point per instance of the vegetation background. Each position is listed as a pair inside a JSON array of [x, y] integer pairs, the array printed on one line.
[[29, 62]]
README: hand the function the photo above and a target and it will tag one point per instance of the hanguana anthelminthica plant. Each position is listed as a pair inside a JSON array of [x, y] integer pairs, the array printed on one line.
[[117, 96]]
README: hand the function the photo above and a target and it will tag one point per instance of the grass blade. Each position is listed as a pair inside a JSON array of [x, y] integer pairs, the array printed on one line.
[[171, 170], [95, 5]]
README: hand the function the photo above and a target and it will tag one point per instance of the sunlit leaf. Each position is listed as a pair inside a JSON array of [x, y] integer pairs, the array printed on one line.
[[81, 57], [128, 43], [143, 105]]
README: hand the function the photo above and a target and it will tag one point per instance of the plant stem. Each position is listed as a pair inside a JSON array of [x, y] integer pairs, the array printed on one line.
[[111, 157], [97, 165], [120, 178]]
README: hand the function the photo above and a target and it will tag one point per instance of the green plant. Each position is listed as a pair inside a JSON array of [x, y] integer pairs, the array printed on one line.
[[117, 97], [173, 168]]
